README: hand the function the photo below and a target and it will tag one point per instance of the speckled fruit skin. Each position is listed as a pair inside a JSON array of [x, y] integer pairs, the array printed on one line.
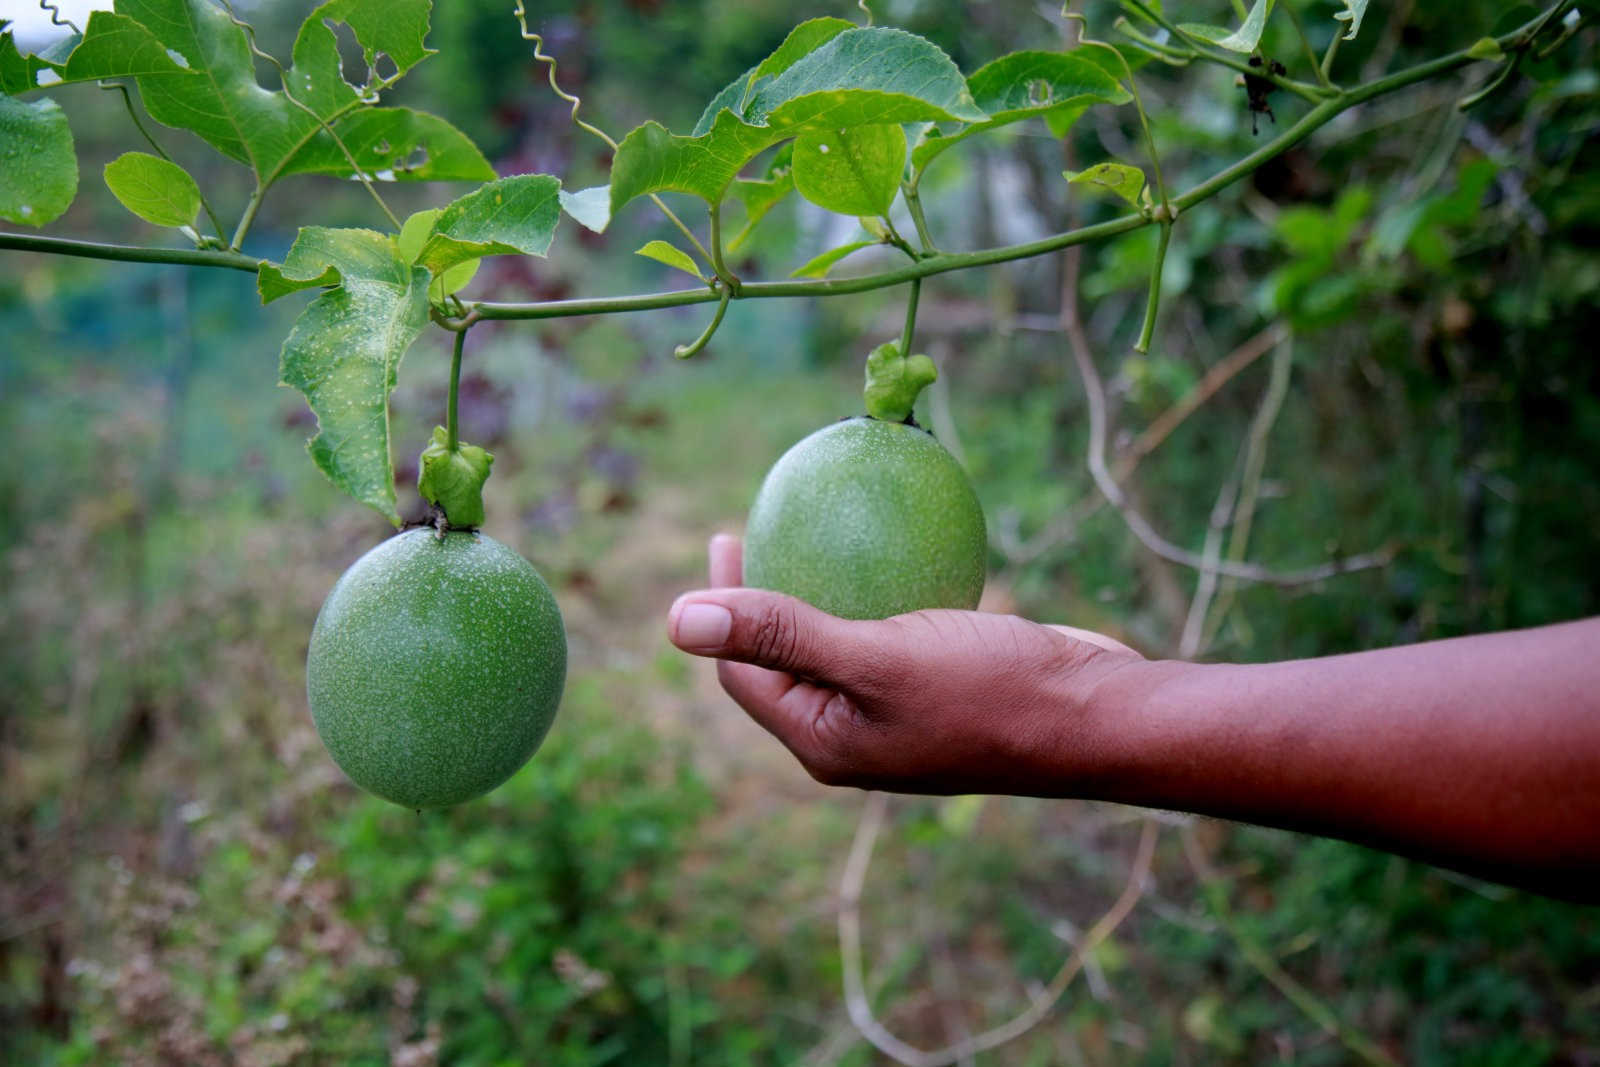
[[435, 667], [866, 519]]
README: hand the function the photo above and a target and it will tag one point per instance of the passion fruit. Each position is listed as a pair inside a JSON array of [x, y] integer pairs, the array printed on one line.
[[435, 667], [866, 519]]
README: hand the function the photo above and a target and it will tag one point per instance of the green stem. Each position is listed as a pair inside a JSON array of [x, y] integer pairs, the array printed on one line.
[[188, 257], [1156, 50], [1153, 301], [1328, 56], [729, 282], [249, 216], [911, 316], [133, 114], [913, 199], [693, 347], [1305, 43], [1304, 90], [452, 439]]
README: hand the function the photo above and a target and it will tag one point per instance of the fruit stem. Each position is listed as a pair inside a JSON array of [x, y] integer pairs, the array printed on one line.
[[911, 316], [452, 439], [1153, 302]]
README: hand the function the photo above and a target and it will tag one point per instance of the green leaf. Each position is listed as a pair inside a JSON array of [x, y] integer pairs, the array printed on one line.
[[266, 130], [511, 216], [858, 77], [111, 46], [1244, 39], [819, 267], [1119, 178], [590, 207], [1486, 48], [155, 189], [893, 382], [1025, 84], [321, 255], [414, 234], [912, 74], [801, 42], [1354, 11], [853, 171], [345, 350], [672, 256], [454, 480], [393, 144], [759, 197], [40, 175]]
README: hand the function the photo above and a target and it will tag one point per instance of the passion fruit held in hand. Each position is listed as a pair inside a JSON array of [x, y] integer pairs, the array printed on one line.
[[435, 667], [869, 517]]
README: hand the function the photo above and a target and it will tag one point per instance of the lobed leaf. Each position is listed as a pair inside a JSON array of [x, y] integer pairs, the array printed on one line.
[[155, 189], [40, 175], [511, 216], [321, 255], [275, 135], [854, 77], [345, 350], [111, 46]]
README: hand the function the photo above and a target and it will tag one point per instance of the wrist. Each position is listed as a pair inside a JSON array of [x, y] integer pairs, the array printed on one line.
[[1101, 732]]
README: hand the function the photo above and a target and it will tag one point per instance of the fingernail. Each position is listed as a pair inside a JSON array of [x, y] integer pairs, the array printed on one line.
[[704, 627]]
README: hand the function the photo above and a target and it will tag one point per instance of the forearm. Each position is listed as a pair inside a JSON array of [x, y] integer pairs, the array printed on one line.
[[1480, 753]]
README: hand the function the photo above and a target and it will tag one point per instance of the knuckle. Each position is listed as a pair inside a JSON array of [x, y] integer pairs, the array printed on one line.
[[775, 636]]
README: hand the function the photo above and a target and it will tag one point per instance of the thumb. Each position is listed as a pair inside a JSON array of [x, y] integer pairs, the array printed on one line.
[[764, 628]]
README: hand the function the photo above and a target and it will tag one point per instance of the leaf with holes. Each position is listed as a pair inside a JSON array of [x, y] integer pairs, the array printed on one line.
[[111, 46], [40, 175], [275, 135], [345, 350], [155, 189]]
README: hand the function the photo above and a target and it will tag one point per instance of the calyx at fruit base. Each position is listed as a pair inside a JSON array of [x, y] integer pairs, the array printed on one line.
[[893, 382], [453, 478]]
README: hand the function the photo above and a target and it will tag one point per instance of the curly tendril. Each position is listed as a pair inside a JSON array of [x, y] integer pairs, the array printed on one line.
[[550, 62], [56, 19]]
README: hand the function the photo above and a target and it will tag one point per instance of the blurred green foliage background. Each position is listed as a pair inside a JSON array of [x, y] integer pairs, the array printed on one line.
[[186, 878]]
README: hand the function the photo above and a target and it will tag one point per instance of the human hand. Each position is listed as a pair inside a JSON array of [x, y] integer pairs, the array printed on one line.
[[928, 702]]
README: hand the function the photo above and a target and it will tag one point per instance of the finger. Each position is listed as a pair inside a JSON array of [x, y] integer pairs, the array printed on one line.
[[774, 631], [727, 561], [1110, 644], [798, 713]]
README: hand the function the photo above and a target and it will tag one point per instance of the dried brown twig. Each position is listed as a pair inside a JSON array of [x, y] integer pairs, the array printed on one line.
[[859, 1007]]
